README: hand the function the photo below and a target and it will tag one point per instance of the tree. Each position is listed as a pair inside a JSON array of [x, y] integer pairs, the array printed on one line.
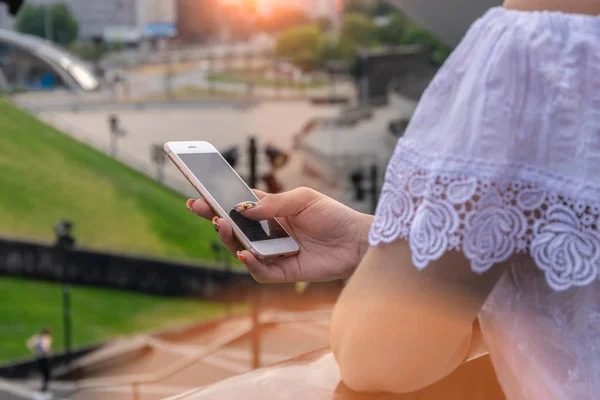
[[357, 31], [358, 28], [300, 45], [383, 8], [392, 33], [65, 27], [89, 51], [415, 34], [324, 24], [358, 6], [372, 8], [32, 20], [328, 49]]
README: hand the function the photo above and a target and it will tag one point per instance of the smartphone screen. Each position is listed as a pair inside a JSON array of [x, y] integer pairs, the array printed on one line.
[[228, 190]]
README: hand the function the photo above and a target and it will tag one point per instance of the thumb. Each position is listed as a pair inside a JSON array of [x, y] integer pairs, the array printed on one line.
[[286, 204]]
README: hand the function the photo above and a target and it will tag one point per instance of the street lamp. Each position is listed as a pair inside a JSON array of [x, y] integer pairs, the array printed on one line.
[[48, 22], [159, 158], [115, 132], [63, 246], [357, 178], [334, 68], [276, 158], [221, 255], [212, 71], [169, 75]]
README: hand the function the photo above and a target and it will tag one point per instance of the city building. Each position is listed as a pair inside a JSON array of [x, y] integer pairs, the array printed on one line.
[[198, 20], [128, 21], [158, 18], [95, 18], [315, 9]]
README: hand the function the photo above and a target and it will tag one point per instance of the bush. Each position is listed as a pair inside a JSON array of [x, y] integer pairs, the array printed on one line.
[[300, 46], [357, 31], [393, 33], [90, 51], [32, 20], [415, 34]]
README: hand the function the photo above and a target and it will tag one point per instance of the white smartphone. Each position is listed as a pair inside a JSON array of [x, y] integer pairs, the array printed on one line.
[[223, 189]]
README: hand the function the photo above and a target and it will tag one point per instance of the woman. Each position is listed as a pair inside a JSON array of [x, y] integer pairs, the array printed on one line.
[[40, 344], [490, 210]]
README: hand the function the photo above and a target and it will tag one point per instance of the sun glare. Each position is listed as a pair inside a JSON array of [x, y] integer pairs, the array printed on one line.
[[263, 6]]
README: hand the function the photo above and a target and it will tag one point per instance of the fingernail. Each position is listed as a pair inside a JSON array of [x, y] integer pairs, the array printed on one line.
[[215, 222], [244, 206], [241, 257], [189, 204]]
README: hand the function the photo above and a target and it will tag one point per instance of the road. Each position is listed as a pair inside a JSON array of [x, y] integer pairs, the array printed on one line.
[[140, 84]]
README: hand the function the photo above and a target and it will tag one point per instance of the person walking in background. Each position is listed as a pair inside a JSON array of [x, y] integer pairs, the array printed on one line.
[[40, 344]]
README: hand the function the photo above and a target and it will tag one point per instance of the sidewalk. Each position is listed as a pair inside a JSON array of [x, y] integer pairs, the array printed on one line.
[[148, 367]]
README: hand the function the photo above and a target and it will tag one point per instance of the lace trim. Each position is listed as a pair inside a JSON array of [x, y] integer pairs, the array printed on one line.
[[489, 214]]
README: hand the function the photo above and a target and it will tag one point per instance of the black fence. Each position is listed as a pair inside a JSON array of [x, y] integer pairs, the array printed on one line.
[[84, 267], [27, 368]]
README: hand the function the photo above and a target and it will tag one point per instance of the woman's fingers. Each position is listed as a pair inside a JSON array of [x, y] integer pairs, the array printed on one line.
[[286, 204], [260, 271], [259, 193], [201, 208], [226, 234]]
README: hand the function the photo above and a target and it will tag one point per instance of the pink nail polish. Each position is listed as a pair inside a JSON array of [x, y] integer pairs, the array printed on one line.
[[189, 204]]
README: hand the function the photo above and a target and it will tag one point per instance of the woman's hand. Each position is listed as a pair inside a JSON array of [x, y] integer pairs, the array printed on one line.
[[332, 237]]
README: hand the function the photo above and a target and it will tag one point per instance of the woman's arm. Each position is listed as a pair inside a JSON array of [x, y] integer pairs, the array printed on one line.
[[31, 342], [398, 329], [47, 344]]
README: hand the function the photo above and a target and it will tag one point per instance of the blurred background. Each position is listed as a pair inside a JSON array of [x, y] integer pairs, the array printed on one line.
[[95, 240]]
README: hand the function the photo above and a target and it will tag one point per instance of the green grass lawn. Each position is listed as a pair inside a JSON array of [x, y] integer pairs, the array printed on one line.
[[97, 314], [46, 175]]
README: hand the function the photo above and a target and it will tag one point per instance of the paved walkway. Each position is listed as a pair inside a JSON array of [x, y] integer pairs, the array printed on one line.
[[10, 390], [158, 366], [223, 125]]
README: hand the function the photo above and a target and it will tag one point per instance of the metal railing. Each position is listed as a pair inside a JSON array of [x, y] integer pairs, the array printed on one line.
[[135, 382]]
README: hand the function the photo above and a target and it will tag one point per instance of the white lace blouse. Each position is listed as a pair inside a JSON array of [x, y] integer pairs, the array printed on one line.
[[501, 158]]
